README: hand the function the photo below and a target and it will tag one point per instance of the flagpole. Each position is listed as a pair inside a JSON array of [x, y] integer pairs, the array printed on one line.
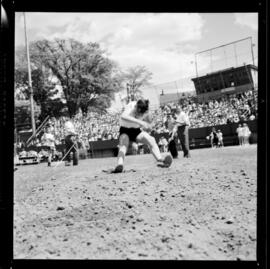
[[30, 82]]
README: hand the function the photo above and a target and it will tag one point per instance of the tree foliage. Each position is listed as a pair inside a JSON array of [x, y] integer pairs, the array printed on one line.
[[135, 78], [87, 77], [43, 88], [22, 114], [85, 74]]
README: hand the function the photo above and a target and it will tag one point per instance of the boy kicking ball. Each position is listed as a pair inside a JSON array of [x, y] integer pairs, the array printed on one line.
[[134, 124]]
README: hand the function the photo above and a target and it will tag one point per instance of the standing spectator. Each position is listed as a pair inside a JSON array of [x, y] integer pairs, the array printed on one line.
[[71, 143], [49, 141], [183, 124], [239, 132], [246, 134], [220, 138], [213, 138], [172, 137]]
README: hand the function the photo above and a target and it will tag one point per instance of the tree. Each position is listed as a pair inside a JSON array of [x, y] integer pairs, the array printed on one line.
[[86, 76], [43, 88], [135, 78], [22, 114]]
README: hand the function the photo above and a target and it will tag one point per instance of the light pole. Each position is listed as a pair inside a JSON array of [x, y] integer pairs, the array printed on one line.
[[197, 76], [30, 81], [252, 54]]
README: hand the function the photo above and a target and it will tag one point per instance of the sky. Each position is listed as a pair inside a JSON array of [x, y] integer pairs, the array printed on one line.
[[165, 43]]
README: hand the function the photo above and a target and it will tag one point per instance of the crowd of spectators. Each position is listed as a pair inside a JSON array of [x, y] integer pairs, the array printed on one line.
[[90, 127], [95, 126], [230, 109]]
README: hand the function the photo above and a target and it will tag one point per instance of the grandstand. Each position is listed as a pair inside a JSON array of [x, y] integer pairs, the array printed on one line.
[[228, 81], [98, 133]]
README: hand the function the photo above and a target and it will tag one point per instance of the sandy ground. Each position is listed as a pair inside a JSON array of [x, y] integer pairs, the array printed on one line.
[[202, 208]]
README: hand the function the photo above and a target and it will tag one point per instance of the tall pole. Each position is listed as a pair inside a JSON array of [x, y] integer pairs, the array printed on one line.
[[235, 54], [30, 81], [16, 137], [177, 90], [196, 65], [211, 63], [253, 88], [252, 54]]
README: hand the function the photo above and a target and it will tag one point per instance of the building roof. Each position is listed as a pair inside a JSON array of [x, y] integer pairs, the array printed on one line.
[[226, 70]]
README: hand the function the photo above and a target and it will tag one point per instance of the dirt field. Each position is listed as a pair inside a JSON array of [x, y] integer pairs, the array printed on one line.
[[202, 208]]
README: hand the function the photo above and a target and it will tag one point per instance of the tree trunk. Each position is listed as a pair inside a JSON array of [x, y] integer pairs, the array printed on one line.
[[72, 108], [84, 109]]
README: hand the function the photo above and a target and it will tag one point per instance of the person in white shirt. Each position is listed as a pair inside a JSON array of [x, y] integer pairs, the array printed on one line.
[[48, 140], [182, 122], [252, 117], [134, 124], [239, 132], [71, 143], [246, 134], [220, 138]]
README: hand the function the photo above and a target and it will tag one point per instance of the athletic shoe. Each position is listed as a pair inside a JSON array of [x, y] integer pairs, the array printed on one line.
[[119, 168], [67, 163]]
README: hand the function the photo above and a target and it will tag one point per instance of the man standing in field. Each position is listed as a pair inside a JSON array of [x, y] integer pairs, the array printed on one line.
[[246, 134], [134, 124], [71, 143], [220, 138], [182, 122], [239, 132]]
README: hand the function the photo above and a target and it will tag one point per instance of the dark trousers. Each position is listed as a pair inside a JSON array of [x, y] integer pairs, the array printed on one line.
[[173, 148], [70, 142], [184, 139]]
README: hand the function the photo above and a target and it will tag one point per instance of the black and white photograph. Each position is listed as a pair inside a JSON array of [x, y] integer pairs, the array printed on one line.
[[135, 136]]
